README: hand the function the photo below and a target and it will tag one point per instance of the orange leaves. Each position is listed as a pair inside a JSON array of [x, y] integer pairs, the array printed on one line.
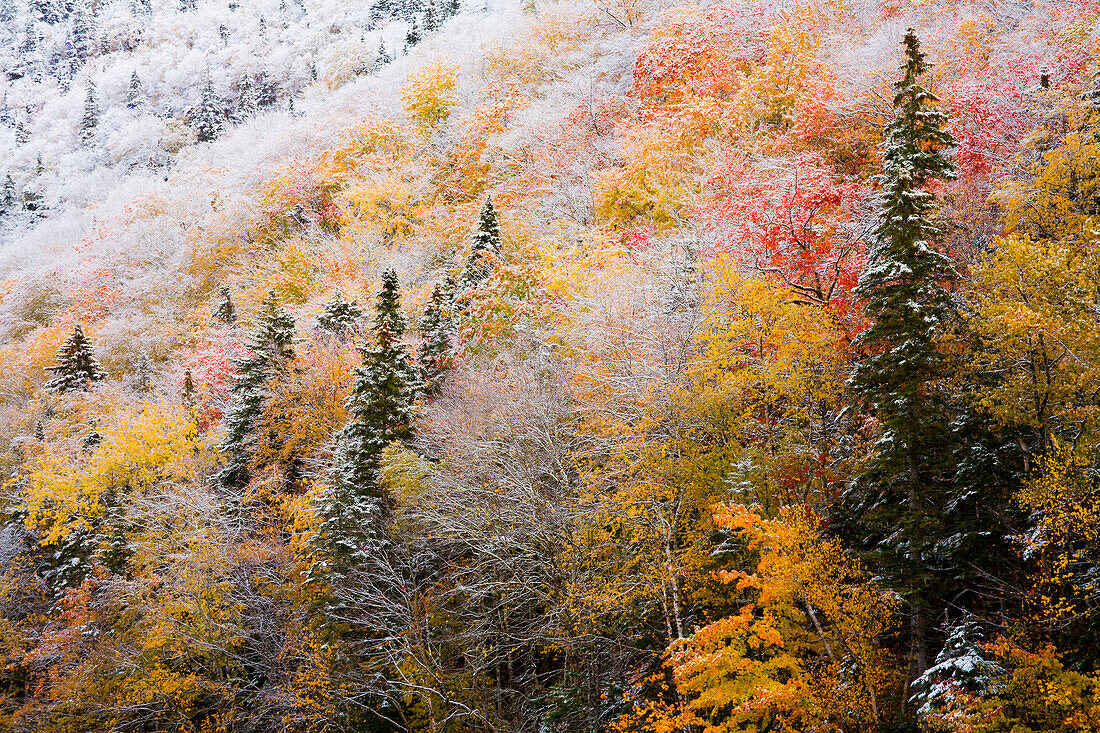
[[801, 654], [296, 195]]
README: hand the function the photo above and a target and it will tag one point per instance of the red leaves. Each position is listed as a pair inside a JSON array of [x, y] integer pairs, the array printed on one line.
[[793, 222]]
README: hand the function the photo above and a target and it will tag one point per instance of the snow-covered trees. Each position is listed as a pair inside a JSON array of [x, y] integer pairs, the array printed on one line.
[[226, 312], [76, 366], [209, 117], [91, 114], [484, 251], [339, 316], [436, 352], [906, 289], [271, 352]]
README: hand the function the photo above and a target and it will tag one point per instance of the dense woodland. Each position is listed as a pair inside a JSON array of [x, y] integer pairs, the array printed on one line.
[[599, 365]]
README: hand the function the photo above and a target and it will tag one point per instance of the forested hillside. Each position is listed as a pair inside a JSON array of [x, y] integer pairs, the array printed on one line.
[[592, 365]]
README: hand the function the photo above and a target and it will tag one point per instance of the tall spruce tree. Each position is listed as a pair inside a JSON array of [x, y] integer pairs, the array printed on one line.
[[436, 340], [246, 99], [339, 316], [903, 379], [91, 114], [267, 91], [8, 195], [354, 508], [208, 117], [135, 93], [272, 350], [76, 365], [385, 388], [486, 246]]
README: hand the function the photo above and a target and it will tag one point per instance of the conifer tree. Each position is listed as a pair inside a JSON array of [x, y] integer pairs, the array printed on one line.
[[144, 375], [267, 92], [84, 32], [207, 118], [226, 312], [187, 390], [436, 344], [272, 351], [906, 288], [246, 104], [91, 114], [7, 11], [486, 245], [8, 194], [91, 439], [354, 508], [76, 365], [339, 315], [382, 400], [383, 57], [413, 36], [135, 93], [431, 16]]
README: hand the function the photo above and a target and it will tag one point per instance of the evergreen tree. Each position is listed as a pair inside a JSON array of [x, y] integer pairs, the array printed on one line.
[[271, 350], [354, 509], [226, 312], [208, 117], [135, 93], [30, 41], [84, 31], [7, 11], [76, 365], [144, 375], [91, 114], [339, 315], [436, 344], [903, 379], [246, 104], [379, 10], [431, 16], [187, 390], [385, 387], [267, 92], [413, 36], [8, 196], [91, 439], [486, 245], [451, 8], [383, 57]]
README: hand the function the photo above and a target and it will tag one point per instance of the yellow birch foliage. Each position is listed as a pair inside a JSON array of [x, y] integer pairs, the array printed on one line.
[[429, 95], [140, 449], [1065, 544], [800, 655], [1035, 302]]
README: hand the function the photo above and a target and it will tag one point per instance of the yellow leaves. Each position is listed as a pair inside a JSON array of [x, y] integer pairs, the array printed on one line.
[[1035, 311], [1059, 202], [429, 95], [1064, 505], [810, 633], [306, 407], [138, 451]]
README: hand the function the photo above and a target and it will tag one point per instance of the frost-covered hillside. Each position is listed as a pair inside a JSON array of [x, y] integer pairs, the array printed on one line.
[[97, 92]]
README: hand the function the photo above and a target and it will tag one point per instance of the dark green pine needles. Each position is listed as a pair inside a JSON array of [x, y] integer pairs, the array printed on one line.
[[76, 365], [906, 289]]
